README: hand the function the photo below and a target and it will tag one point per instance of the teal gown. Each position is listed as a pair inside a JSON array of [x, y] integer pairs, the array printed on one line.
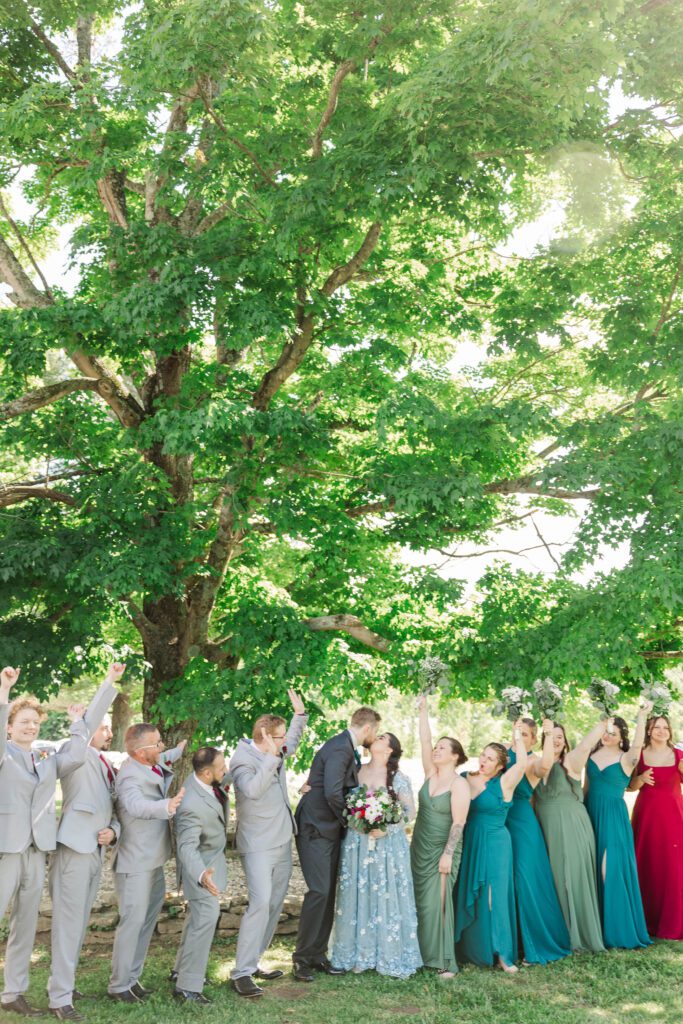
[[485, 918], [542, 929], [621, 905]]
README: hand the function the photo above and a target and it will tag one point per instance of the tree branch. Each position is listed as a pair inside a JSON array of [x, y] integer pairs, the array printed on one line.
[[24, 293], [54, 52], [24, 245], [110, 388], [348, 624], [293, 353], [13, 494], [34, 400], [340, 74]]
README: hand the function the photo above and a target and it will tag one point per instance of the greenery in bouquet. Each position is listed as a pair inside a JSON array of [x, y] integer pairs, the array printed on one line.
[[433, 675], [604, 696], [514, 703], [549, 699], [659, 695]]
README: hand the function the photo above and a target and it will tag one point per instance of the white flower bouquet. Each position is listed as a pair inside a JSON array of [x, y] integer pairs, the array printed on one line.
[[604, 696], [549, 698], [660, 696], [433, 675], [514, 703], [367, 809]]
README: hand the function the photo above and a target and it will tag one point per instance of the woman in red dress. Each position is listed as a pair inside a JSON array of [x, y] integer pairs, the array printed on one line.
[[658, 830]]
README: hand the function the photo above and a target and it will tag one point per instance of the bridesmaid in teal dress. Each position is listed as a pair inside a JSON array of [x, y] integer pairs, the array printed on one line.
[[608, 774], [436, 847], [485, 917], [542, 929]]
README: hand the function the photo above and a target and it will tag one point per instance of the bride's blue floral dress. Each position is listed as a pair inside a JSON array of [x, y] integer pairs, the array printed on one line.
[[375, 922]]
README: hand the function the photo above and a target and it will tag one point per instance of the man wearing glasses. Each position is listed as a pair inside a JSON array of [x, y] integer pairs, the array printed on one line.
[[144, 811], [265, 826]]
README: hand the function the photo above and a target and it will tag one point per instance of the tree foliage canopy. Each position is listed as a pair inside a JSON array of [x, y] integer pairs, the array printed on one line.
[[283, 220]]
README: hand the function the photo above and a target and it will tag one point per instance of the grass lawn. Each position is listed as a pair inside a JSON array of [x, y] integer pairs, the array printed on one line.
[[639, 987]]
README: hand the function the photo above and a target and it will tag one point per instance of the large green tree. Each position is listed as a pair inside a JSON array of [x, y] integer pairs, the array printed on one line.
[[283, 219]]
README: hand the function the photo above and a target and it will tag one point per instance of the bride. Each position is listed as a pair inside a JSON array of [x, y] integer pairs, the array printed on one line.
[[375, 920]]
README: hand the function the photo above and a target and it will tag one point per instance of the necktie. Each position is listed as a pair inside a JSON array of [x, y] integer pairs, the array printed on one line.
[[110, 774], [33, 762], [157, 770], [219, 794], [356, 756]]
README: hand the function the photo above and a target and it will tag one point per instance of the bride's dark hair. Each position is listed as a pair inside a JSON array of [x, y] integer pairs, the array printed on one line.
[[392, 763]]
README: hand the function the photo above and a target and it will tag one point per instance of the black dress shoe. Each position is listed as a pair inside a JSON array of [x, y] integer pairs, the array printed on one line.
[[246, 987], [326, 967], [173, 975], [19, 1005], [302, 972], [77, 995], [191, 997], [268, 975], [127, 996], [66, 1013], [140, 991]]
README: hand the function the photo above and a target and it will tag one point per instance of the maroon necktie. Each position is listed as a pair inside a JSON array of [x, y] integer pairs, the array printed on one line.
[[110, 774], [157, 770], [219, 794]]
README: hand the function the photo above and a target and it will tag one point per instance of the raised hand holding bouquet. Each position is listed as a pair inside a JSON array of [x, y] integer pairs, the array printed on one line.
[[514, 703], [659, 695], [369, 810], [604, 696], [549, 699], [433, 676]]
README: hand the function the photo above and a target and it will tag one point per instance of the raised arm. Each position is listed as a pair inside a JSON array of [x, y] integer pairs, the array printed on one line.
[[575, 761], [297, 724], [510, 779], [252, 780], [542, 765], [130, 796], [460, 805], [86, 721], [8, 678], [425, 738], [630, 758]]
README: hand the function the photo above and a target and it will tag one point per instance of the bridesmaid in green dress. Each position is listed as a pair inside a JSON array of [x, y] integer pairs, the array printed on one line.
[[485, 917], [608, 774], [543, 933], [570, 840], [437, 844]]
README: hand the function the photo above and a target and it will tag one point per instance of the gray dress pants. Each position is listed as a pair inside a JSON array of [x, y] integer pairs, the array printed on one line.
[[74, 881], [21, 879]]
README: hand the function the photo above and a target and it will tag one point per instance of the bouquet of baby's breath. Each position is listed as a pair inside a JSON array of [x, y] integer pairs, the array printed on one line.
[[514, 703], [660, 696], [604, 696], [549, 698], [433, 675]]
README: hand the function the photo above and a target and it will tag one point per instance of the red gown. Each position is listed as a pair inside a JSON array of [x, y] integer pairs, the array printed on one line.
[[658, 832]]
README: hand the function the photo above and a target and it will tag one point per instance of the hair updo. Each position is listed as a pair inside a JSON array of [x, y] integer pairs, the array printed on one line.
[[456, 746]]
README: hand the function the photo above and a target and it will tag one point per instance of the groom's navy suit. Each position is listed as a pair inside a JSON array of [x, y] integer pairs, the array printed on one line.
[[320, 823]]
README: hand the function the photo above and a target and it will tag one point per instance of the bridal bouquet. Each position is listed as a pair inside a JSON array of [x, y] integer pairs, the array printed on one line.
[[549, 698], [659, 695], [604, 696], [367, 809], [514, 703], [432, 675]]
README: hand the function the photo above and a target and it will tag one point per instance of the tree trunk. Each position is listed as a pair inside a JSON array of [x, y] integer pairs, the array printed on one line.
[[121, 715]]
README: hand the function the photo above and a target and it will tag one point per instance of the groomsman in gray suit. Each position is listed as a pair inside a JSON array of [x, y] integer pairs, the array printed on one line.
[[201, 823], [265, 826], [87, 827], [28, 826], [144, 811]]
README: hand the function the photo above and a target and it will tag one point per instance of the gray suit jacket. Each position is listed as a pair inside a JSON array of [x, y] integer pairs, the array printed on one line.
[[87, 805], [27, 797], [264, 817], [141, 800], [201, 824]]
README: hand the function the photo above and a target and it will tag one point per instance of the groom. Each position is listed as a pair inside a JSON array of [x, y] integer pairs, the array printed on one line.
[[320, 822]]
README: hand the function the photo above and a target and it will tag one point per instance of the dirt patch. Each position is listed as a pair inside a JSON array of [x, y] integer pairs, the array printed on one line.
[[295, 991]]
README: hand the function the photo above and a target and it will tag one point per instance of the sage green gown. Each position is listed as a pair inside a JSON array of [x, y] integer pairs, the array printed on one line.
[[435, 917], [571, 848]]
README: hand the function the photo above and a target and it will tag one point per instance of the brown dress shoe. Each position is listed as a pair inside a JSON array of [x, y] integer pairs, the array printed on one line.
[[66, 1013], [24, 1009]]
